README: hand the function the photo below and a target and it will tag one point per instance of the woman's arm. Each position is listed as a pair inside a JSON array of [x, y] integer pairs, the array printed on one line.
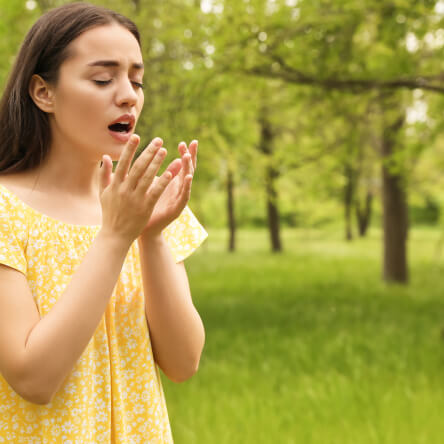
[[176, 330], [36, 355]]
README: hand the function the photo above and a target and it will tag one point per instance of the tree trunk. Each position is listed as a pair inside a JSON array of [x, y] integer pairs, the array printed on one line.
[[271, 174], [272, 210], [363, 215], [348, 201], [137, 5], [230, 211], [395, 211]]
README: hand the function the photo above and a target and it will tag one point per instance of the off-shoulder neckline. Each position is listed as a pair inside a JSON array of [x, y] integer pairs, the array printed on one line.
[[50, 219]]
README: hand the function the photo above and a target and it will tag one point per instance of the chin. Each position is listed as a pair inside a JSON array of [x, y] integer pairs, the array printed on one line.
[[116, 151]]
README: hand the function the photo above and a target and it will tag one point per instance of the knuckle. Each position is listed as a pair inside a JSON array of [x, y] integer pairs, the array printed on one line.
[[144, 184], [160, 154], [165, 179], [151, 150], [136, 168], [148, 175], [159, 188], [121, 191], [151, 199]]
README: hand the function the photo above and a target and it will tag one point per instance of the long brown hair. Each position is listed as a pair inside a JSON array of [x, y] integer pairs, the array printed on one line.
[[25, 134]]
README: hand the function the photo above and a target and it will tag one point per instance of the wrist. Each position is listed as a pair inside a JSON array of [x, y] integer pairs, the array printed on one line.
[[151, 237], [116, 243]]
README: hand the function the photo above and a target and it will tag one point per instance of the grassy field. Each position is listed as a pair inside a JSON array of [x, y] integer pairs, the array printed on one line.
[[311, 347]]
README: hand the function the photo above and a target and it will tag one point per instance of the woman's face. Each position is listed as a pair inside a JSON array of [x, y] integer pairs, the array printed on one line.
[[99, 85]]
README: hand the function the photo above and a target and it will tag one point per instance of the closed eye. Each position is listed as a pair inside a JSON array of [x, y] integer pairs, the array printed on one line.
[[107, 82], [102, 82]]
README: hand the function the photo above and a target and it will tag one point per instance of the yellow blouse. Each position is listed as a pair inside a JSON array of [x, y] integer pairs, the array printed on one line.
[[114, 393]]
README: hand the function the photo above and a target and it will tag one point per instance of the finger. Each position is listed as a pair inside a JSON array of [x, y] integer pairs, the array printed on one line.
[[105, 172], [190, 164], [143, 161], [158, 187], [125, 158], [175, 167], [182, 148], [150, 172], [187, 166], [193, 151], [186, 191]]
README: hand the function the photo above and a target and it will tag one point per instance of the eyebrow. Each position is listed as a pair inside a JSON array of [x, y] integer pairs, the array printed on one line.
[[114, 63]]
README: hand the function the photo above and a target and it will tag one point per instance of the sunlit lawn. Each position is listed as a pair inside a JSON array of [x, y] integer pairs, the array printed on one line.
[[311, 347]]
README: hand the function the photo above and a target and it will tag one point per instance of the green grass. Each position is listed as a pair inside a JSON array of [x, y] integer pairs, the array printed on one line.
[[311, 346]]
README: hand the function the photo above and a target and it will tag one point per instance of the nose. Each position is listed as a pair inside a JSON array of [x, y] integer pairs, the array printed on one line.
[[126, 94]]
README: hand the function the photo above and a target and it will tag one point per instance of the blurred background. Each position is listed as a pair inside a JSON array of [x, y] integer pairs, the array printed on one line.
[[320, 183]]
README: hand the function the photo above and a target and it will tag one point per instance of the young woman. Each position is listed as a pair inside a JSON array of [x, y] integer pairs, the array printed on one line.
[[94, 296]]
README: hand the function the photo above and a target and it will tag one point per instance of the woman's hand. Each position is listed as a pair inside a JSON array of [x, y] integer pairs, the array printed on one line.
[[176, 195], [128, 196]]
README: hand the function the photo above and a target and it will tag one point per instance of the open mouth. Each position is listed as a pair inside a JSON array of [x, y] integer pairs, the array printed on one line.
[[120, 127]]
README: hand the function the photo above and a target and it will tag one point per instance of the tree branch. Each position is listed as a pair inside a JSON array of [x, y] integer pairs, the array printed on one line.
[[356, 86]]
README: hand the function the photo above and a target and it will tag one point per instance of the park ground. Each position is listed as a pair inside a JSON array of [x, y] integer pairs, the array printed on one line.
[[310, 346]]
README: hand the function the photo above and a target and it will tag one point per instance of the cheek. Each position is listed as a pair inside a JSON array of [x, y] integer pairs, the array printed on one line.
[[140, 103], [78, 104]]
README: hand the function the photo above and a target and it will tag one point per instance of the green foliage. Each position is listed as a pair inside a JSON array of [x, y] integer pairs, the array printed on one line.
[[15, 19], [212, 66], [428, 214]]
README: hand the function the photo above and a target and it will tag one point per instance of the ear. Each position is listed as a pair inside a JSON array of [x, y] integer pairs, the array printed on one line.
[[41, 93]]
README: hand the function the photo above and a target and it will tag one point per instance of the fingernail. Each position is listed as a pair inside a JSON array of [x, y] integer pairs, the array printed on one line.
[[132, 142], [158, 141]]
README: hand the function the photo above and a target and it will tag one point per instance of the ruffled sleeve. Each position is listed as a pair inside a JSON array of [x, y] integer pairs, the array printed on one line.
[[12, 250], [184, 235]]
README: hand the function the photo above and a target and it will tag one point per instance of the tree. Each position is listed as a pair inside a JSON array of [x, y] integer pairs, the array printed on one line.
[[354, 48]]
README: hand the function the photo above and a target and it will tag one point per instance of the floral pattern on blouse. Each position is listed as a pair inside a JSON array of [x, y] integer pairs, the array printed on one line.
[[114, 392]]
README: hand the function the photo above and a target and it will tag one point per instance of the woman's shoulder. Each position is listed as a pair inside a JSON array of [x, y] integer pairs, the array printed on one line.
[[13, 179], [61, 210], [16, 206], [14, 218], [7, 187], [12, 191], [14, 183]]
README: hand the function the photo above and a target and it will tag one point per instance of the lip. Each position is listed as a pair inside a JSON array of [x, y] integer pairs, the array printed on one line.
[[130, 118], [123, 137]]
